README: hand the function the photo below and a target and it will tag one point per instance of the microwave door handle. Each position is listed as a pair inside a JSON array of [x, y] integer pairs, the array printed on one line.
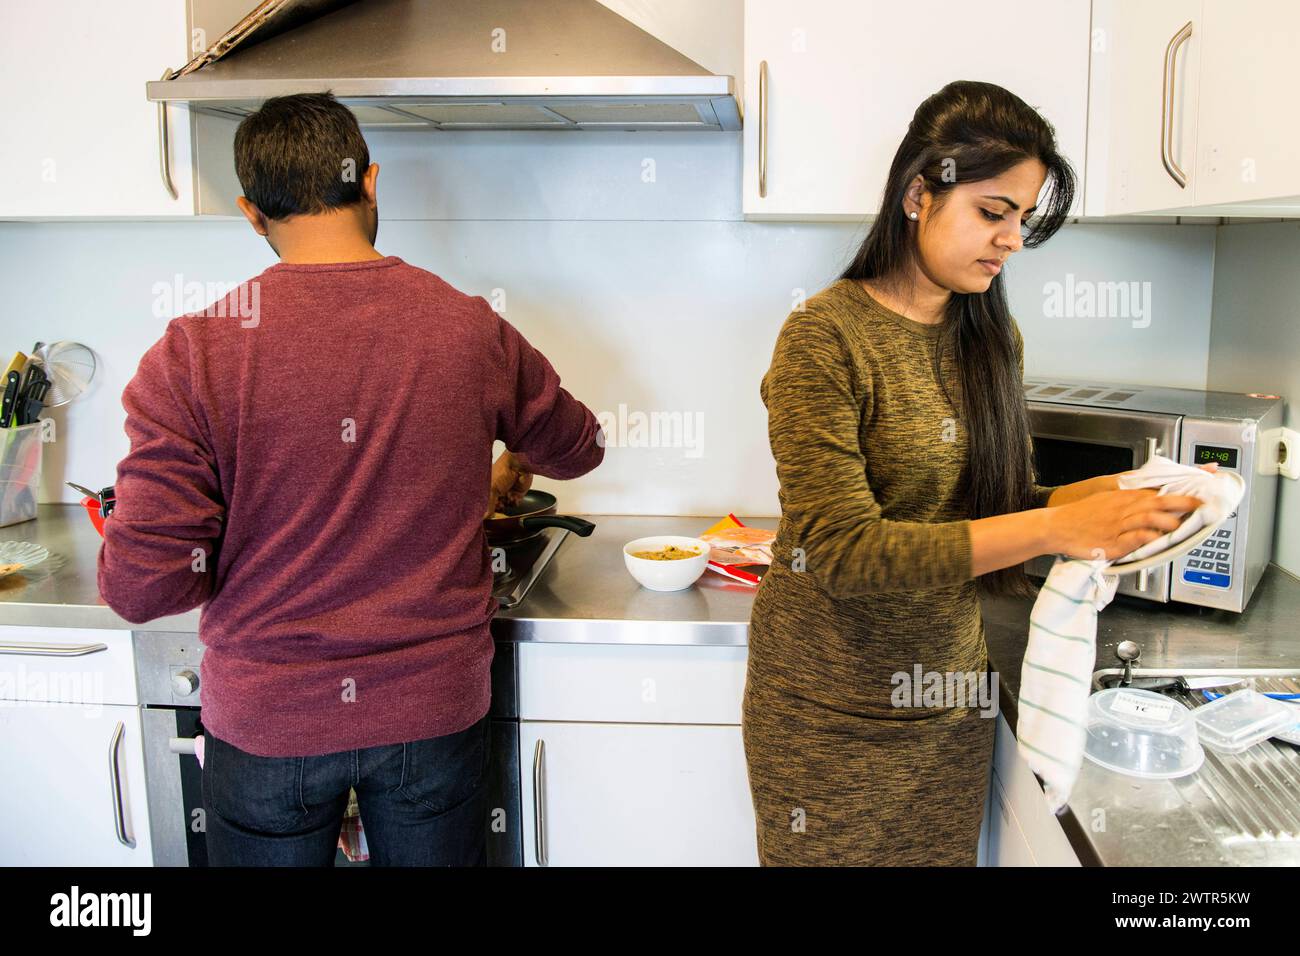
[[1144, 576]]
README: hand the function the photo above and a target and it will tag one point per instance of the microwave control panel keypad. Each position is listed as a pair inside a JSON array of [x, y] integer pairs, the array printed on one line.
[[1209, 564]]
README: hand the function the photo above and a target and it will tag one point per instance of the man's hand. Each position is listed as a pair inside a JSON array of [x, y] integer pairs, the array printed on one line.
[[510, 481]]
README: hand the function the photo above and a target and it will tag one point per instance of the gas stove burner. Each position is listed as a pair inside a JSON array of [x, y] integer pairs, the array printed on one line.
[[525, 562]]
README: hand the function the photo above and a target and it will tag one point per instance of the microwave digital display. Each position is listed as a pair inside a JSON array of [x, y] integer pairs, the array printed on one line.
[[1204, 454]]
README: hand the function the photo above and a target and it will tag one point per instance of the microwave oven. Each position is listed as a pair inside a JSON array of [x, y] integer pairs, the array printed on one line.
[[1084, 429]]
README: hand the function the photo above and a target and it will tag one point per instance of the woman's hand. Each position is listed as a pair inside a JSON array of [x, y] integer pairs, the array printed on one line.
[[510, 481], [1109, 524]]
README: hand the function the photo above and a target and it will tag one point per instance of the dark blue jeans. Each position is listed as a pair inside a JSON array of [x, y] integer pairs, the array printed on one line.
[[423, 803]]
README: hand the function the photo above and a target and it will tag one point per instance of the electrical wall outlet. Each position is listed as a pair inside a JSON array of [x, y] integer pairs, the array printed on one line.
[[1282, 446]]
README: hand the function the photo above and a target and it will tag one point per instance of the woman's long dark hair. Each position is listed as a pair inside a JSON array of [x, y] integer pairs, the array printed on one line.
[[967, 132]]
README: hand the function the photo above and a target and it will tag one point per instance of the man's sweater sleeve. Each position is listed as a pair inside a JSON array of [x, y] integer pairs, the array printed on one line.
[[159, 551], [556, 435]]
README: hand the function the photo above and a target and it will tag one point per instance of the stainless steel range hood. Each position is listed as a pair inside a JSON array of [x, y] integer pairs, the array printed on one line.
[[466, 64]]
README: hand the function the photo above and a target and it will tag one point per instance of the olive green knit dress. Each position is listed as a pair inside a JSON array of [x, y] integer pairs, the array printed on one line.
[[871, 576]]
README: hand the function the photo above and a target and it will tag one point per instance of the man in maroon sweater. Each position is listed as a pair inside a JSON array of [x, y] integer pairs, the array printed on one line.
[[310, 461]]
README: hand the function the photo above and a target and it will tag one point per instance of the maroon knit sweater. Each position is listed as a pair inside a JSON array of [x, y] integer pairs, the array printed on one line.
[[316, 475]]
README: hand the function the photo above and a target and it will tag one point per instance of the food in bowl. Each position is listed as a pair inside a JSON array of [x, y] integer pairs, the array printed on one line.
[[669, 552], [666, 562]]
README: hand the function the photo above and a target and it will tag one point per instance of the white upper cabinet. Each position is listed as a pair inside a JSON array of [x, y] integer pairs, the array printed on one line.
[[1142, 114], [1248, 142], [1192, 108], [81, 139], [830, 87]]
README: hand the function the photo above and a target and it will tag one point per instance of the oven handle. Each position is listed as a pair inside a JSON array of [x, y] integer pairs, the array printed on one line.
[[181, 745]]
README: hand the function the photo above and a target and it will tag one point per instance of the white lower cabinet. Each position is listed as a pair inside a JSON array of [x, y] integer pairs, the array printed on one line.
[[74, 788], [632, 755], [635, 794], [1019, 830]]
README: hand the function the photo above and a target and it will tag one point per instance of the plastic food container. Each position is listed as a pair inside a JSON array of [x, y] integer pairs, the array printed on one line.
[[1291, 736], [1141, 734], [20, 472], [1237, 721]]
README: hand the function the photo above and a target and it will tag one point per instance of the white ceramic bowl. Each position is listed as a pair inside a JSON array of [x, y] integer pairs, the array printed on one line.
[[675, 575]]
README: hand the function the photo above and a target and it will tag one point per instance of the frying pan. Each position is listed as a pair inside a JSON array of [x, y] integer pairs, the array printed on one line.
[[525, 520]]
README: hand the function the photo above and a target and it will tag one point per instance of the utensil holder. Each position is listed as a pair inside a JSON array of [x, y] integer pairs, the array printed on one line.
[[20, 472]]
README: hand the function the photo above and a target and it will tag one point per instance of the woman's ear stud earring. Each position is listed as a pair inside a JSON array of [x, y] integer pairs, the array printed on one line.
[[911, 215]]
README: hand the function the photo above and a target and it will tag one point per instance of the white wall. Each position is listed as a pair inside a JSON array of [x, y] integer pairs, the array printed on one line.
[[643, 290], [1255, 339]]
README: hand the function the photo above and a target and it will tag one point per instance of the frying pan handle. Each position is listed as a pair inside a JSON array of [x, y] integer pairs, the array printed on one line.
[[577, 525]]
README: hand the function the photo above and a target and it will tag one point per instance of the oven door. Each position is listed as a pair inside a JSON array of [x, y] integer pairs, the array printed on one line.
[[1075, 442], [175, 786], [174, 779]]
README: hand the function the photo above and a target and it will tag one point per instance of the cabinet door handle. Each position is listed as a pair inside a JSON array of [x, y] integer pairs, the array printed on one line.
[[38, 649], [164, 145], [762, 129], [120, 822], [1167, 107], [539, 803]]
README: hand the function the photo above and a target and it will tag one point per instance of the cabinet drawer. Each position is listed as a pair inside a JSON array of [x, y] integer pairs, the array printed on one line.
[[631, 683], [67, 664]]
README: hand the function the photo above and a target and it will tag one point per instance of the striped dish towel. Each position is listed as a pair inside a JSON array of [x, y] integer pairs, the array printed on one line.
[[1056, 676]]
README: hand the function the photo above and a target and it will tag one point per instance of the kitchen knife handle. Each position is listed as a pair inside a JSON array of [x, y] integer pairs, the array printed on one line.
[[10, 399]]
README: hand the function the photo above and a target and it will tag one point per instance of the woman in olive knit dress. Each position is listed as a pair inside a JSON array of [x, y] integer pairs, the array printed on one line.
[[898, 422]]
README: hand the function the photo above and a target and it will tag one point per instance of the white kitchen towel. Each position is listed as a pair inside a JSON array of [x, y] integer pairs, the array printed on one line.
[[1056, 675]]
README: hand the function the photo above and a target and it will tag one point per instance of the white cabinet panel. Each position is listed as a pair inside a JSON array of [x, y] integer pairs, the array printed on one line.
[[74, 788], [67, 664], [1200, 89], [631, 683], [81, 139], [1127, 173], [1248, 138], [844, 79], [1022, 831], [635, 794]]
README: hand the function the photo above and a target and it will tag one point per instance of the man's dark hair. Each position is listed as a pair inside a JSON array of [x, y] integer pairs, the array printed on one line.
[[300, 154]]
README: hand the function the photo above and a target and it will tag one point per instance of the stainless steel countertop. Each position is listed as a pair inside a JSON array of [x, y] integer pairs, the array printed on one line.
[[1191, 821], [587, 596], [62, 591]]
